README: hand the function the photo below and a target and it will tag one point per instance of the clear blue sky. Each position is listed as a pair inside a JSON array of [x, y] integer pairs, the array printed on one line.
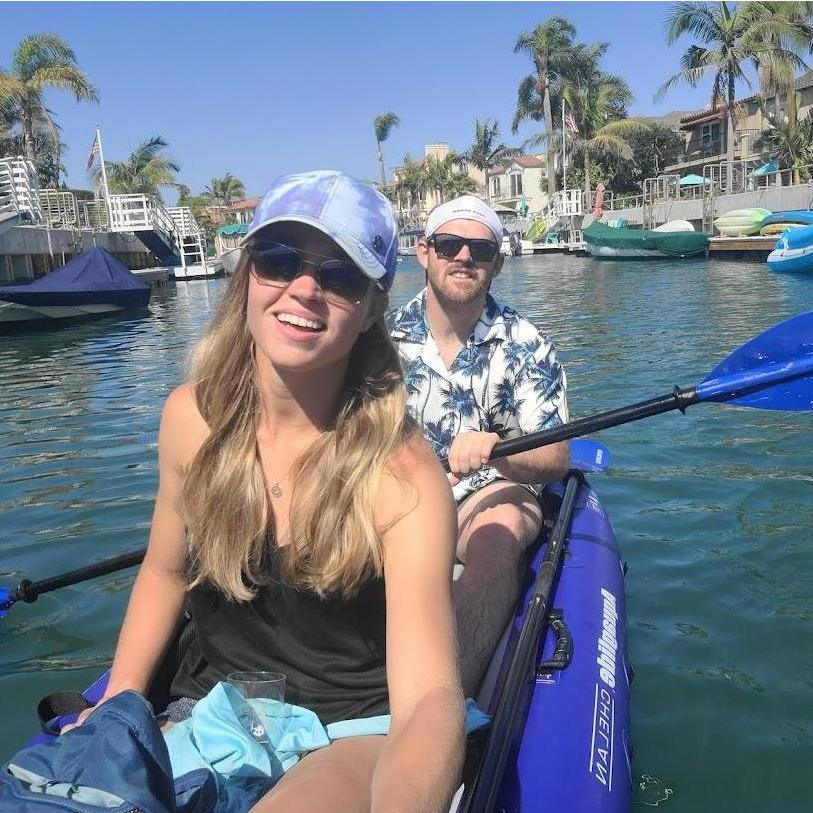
[[260, 89]]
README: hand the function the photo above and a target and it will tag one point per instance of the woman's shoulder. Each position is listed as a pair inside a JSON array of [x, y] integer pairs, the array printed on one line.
[[183, 428], [412, 478]]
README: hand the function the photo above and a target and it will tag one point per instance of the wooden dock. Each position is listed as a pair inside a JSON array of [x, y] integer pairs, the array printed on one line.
[[755, 248]]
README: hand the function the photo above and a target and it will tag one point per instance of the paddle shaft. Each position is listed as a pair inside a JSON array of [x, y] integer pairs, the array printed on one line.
[[28, 591], [678, 399], [501, 735]]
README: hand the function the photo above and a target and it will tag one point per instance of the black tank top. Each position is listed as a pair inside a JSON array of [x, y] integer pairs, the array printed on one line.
[[332, 650]]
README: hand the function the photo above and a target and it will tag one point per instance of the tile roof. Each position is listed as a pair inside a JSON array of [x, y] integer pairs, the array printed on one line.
[[248, 203]]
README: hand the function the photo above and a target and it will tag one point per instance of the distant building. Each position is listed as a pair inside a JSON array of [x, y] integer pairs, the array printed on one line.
[[706, 130], [525, 178], [243, 210]]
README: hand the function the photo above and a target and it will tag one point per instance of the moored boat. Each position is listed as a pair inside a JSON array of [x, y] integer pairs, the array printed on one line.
[[93, 283], [741, 222], [623, 243], [568, 731], [793, 252]]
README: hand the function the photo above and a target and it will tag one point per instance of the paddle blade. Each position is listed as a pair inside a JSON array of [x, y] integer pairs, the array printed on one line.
[[772, 371], [589, 455]]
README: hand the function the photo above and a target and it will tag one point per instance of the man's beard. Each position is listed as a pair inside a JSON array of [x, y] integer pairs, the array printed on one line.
[[447, 290]]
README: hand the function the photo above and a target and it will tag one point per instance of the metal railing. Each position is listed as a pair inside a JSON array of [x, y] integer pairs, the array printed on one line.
[[93, 215], [19, 188], [142, 213], [59, 209]]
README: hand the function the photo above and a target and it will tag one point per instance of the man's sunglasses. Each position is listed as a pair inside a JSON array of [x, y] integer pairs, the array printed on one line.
[[279, 265], [448, 246]]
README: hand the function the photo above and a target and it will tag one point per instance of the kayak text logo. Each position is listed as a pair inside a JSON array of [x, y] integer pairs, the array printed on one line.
[[601, 750], [608, 641]]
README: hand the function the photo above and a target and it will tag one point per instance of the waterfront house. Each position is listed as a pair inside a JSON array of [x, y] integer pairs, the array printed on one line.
[[706, 130], [242, 211], [525, 178]]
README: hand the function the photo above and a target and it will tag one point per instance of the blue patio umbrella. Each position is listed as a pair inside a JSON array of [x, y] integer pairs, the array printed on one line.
[[693, 180], [765, 169]]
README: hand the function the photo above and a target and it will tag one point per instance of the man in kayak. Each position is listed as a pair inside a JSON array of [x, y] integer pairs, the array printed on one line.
[[477, 372]]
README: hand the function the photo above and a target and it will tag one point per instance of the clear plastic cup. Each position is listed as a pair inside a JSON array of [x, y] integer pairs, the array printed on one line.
[[262, 696]]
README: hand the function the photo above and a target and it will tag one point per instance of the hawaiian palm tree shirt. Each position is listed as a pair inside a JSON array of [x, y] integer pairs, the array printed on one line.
[[506, 379]]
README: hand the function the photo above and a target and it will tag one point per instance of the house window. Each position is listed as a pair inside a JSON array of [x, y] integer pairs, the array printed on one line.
[[710, 136], [495, 186], [516, 185]]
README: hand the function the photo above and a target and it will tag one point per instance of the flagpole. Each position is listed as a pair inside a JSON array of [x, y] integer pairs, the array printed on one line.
[[104, 177], [564, 149]]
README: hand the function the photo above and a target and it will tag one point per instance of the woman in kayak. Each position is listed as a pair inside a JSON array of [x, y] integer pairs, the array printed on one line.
[[302, 516]]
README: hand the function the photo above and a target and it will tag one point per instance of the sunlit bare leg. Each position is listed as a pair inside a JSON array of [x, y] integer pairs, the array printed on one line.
[[336, 779], [496, 527]]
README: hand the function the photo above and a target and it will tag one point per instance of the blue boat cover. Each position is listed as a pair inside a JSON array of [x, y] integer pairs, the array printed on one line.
[[95, 277]]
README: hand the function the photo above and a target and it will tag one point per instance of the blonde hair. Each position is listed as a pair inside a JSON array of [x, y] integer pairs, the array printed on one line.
[[334, 543]]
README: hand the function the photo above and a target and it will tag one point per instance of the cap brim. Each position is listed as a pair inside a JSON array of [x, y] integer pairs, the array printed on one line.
[[370, 266]]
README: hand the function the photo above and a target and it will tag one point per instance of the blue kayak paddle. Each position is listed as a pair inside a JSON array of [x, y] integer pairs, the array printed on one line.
[[771, 371]]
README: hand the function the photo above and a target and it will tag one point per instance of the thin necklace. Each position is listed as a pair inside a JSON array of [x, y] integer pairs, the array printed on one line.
[[276, 491]]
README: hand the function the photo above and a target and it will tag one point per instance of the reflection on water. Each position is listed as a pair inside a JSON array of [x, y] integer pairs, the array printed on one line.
[[713, 509]]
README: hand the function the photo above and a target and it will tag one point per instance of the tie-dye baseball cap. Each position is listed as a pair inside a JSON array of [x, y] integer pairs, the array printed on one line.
[[358, 217]]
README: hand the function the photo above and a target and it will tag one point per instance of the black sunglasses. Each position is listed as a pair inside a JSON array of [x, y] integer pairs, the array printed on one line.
[[279, 265], [448, 246]]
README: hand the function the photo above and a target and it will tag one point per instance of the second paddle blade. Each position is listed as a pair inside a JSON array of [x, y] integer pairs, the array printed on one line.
[[772, 371]]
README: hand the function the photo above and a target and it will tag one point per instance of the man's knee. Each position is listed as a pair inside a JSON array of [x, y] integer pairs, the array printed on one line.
[[505, 524]]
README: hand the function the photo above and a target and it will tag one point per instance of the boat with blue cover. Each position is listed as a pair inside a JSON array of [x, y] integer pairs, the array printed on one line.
[[91, 284], [558, 683], [793, 252]]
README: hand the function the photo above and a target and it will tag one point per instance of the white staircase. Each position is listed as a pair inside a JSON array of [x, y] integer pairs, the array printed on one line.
[[19, 191]]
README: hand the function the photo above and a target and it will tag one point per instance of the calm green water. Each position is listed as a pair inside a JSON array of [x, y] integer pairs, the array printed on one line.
[[713, 510]]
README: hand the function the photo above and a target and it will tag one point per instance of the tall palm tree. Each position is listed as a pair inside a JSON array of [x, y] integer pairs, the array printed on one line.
[[598, 102], [548, 46], [383, 125], [411, 184], [788, 22], [225, 191], [144, 171], [438, 172], [731, 40], [488, 152], [41, 62]]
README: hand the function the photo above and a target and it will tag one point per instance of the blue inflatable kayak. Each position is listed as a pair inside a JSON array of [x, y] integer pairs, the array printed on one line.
[[793, 252], [562, 741]]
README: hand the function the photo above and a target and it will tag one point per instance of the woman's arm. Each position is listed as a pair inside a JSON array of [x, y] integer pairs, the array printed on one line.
[[420, 764]]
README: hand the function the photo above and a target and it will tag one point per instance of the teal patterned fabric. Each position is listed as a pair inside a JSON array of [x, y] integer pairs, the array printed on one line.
[[506, 379]]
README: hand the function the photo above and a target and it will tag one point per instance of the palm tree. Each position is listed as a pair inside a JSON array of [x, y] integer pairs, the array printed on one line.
[[383, 125], [144, 172], [597, 101], [787, 22], [225, 191], [731, 39], [40, 62], [488, 152], [547, 45], [437, 173], [411, 184], [460, 183], [791, 144]]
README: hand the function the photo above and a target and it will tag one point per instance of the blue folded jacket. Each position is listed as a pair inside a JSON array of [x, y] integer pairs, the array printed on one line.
[[218, 761]]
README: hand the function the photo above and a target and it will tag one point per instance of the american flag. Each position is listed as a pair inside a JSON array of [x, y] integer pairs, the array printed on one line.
[[94, 151]]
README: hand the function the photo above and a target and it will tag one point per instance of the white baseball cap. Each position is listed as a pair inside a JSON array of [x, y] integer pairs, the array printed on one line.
[[466, 207]]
